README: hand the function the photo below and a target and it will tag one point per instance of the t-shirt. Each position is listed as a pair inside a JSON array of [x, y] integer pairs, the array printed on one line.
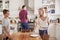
[[43, 25], [6, 23], [23, 16]]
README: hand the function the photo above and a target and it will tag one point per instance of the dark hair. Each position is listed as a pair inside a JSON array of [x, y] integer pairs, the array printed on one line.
[[23, 6], [5, 10], [45, 7]]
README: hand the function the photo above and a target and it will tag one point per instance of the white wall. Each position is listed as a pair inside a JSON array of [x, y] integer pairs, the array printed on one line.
[[37, 5], [13, 7], [57, 12], [57, 6]]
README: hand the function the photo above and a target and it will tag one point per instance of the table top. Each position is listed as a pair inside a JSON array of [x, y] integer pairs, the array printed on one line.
[[24, 36]]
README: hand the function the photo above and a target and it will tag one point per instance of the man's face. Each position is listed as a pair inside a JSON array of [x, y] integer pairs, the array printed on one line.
[[7, 14], [25, 8], [41, 12]]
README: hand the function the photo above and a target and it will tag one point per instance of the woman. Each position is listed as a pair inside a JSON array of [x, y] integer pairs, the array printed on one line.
[[42, 22]]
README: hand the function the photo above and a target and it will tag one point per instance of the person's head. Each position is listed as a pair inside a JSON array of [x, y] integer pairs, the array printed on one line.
[[41, 12], [24, 7], [6, 13], [45, 8]]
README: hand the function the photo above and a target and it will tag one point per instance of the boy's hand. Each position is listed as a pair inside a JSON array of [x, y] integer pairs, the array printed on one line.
[[6, 31], [8, 34]]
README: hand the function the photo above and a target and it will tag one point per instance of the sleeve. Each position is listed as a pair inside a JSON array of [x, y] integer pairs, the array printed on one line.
[[48, 20], [19, 15]]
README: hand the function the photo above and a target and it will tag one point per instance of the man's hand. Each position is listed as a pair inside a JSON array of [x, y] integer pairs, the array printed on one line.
[[6, 31], [8, 34]]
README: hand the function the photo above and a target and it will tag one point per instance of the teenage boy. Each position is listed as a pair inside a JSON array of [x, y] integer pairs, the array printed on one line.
[[5, 24], [24, 19]]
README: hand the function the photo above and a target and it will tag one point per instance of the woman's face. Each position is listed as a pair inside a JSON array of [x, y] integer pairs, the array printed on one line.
[[41, 12]]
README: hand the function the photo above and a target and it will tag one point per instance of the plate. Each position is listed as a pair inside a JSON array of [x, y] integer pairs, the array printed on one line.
[[34, 35]]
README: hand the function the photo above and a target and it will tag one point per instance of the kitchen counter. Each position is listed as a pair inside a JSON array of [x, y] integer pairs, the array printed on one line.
[[31, 26], [52, 30]]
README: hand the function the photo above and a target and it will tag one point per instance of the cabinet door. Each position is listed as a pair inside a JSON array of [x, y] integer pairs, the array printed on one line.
[[0, 29], [1, 5], [52, 30], [58, 32]]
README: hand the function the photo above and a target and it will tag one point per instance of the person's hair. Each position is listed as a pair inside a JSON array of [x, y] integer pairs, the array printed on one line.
[[41, 9], [45, 7], [5, 10], [23, 6]]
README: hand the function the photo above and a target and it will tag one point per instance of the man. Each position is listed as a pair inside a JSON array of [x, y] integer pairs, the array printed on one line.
[[5, 24], [24, 19]]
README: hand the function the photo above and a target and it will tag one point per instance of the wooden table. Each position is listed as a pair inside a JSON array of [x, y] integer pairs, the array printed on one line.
[[24, 36]]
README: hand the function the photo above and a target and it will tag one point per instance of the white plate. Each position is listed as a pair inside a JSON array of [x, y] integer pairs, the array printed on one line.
[[34, 35]]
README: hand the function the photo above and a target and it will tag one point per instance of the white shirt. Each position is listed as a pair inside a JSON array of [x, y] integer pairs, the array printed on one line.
[[43, 25], [6, 23]]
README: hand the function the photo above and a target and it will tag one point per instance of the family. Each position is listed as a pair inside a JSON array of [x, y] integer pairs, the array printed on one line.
[[42, 21]]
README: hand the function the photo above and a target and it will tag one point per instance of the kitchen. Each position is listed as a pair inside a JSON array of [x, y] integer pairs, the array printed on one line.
[[14, 6]]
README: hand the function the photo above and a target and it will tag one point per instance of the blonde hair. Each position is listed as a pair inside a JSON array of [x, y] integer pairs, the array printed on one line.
[[40, 9]]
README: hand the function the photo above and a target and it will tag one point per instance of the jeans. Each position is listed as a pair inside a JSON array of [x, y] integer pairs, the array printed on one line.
[[41, 32], [25, 26]]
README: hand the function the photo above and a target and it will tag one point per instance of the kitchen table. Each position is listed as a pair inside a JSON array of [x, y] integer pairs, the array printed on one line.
[[24, 36]]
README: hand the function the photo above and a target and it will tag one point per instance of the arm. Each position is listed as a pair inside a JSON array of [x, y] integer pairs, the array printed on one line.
[[48, 21], [6, 30], [19, 15], [36, 28], [27, 16]]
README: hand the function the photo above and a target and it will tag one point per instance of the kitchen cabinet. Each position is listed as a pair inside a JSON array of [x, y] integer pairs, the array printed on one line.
[[31, 26], [0, 29], [52, 30], [1, 5], [58, 31]]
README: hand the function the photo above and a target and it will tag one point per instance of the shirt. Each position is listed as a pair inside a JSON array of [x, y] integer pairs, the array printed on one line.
[[43, 25], [6, 23], [23, 16]]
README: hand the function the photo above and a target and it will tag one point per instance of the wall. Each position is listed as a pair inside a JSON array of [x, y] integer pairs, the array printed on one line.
[[13, 7], [37, 5], [57, 7], [58, 12]]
